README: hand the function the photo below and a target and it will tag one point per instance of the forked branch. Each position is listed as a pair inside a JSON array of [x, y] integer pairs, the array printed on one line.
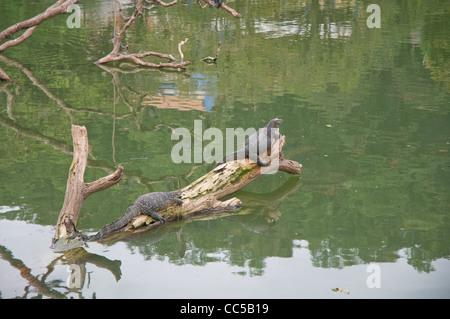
[[115, 55], [77, 190]]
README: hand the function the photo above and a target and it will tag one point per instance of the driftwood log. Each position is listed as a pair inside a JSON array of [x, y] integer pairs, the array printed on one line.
[[203, 196]]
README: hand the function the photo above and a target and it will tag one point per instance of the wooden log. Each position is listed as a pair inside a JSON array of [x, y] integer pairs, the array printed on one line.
[[204, 195], [77, 190]]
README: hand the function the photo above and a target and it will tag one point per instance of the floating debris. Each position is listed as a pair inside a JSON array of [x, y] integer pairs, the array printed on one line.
[[341, 290]]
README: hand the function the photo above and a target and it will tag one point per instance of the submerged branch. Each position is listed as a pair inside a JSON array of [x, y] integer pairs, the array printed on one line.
[[213, 59]]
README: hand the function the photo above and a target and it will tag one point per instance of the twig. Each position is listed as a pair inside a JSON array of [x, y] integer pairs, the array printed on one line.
[[59, 7], [4, 76], [179, 49], [136, 58], [213, 59], [119, 7]]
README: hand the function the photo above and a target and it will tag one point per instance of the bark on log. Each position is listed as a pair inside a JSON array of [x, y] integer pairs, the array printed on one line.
[[77, 190]]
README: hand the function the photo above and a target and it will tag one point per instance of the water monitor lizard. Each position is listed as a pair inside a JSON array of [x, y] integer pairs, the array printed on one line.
[[148, 204], [257, 143]]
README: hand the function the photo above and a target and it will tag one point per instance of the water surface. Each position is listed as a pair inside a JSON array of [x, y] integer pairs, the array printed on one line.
[[366, 112]]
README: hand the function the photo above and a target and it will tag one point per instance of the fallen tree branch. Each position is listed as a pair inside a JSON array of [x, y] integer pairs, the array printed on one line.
[[77, 190], [60, 7], [213, 59], [4, 76], [136, 58]]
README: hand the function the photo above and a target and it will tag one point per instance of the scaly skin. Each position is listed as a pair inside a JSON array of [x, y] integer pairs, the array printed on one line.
[[256, 144], [147, 204]]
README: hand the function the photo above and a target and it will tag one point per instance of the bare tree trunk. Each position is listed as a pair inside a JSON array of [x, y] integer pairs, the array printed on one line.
[[77, 190]]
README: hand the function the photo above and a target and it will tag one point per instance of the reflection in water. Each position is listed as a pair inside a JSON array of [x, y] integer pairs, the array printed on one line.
[[257, 219], [367, 117], [200, 98], [295, 28]]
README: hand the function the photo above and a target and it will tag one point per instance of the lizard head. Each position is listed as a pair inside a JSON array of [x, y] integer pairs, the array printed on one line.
[[274, 123]]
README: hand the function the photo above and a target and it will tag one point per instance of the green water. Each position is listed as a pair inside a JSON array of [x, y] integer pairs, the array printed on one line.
[[366, 112]]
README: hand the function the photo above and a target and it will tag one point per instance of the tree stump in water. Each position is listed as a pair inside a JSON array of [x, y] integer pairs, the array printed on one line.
[[77, 190]]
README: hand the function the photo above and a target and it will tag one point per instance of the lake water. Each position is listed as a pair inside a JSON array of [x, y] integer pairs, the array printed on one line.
[[366, 112]]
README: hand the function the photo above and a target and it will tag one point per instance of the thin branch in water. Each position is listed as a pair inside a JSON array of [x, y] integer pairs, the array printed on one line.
[[136, 58], [60, 7], [4, 76], [12, 43], [179, 49], [213, 59]]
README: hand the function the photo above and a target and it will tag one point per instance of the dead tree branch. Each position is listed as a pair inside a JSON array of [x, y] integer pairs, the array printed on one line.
[[136, 58], [213, 59], [28, 33], [163, 3], [59, 7], [77, 190], [179, 49], [4, 76]]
